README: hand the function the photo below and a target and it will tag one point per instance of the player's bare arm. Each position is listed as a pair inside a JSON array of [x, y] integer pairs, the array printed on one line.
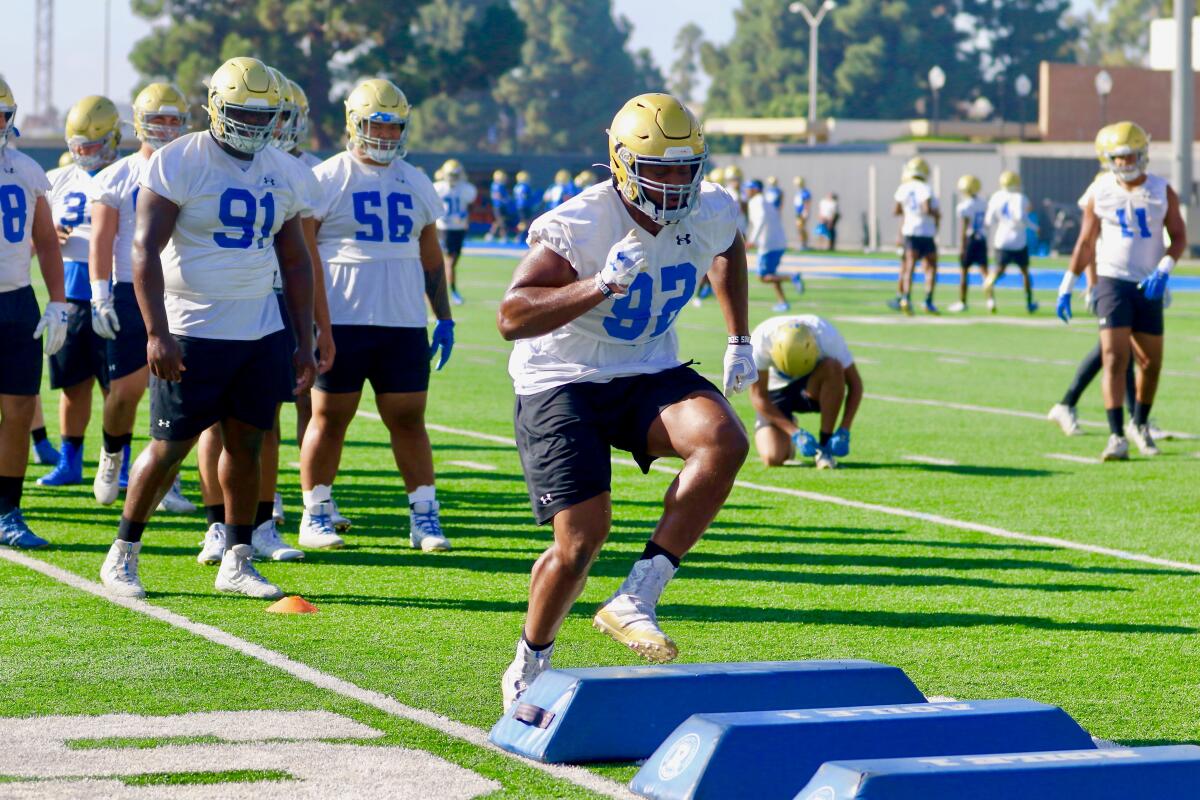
[[45, 242], [854, 396], [325, 344], [546, 294], [433, 263], [1084, 253], [155, 221], [728, 276], [1176, 227], [296, 270]]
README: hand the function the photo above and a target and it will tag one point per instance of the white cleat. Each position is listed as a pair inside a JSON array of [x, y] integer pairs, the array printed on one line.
[[824, 460], [119, 574], [212, 549], [268, 546], [316, 528], [1141, 436], [107, 484], [174, 502], [991, 305], [629, 616], [277, 509], [523, 671], [341, 523], [1117, 449], [237, 575], [1066, 418], [958, 307], [425, 529]]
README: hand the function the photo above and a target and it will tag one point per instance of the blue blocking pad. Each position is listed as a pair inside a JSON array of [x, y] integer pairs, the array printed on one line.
[[624, 713], [772, 754], [1119, 774]]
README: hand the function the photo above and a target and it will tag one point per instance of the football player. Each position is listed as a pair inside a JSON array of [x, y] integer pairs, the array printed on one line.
[[767, 236], [804, 366], [457, 195], [377, 236], [584, 179], [223, 209], [524, 201], [596, 365], [562, 190], [802, 205], [917, 205], [1123, 222], [160, 115], [773, 194], [28, 222], [296, 133], [93, 131], [1008, 212], [972, 212], [501, 199]]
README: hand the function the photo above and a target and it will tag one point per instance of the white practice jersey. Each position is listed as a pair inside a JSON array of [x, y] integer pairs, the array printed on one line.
[[71, 207], [456, 204], [306, 182], [829, 342], [1132, 226], [116, 186], [307, 159], [22, 182], [911, 195], [633, 334], [220, 262], [974, 211], [765, 226], [371, 222], [1008, 213]]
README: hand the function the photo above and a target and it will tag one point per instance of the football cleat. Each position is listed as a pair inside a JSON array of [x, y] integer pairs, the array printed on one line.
[[45, 453], [798, 282], [341, 523], [213, 546], [781, 307], [629, 616], [523, 671], [268, 545], [14, 532], [705, 291], [1140, 434], [316, 528], [1158, 433], [894, 303], [174, 502], [455, 297], [906, 306], [1032, 306], [126, 460], [425, 529], [119, 573], [69, 469], [107, 485], [237, 575], [697, 302], [1066, 418], [824, 460], [991, 305], [958, 307], [930, 308], [1117, 449], [277, 509]]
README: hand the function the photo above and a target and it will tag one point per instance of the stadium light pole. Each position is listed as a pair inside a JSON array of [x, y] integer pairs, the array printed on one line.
[[937, 81], [1183, 131], [1104, 87], [814, 25]]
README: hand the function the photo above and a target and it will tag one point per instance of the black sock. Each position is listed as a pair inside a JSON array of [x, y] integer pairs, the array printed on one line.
[[653, 550], [824, 440], [115, 444], [238, 534], [1116, 420], [1141, 413], [75, 440], [1087, 371], [535, 647], [38, 434], [266, 510], [10, 493], [130, 531], [215, 513]]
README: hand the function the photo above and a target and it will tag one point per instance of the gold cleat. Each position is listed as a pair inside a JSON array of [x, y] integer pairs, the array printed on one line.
[[631, 621]]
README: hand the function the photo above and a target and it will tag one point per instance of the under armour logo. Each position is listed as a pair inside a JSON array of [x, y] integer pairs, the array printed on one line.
[[546, 499], [164, 423], [269, 181], [10, 170], [683, 238]]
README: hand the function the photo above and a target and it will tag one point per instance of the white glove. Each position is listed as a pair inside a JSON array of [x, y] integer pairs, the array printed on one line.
[[54, 323], [740, 371], [625, 260], [104, 315]]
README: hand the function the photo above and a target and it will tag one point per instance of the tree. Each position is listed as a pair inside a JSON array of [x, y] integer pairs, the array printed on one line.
[[686, 66], [1118, 31]]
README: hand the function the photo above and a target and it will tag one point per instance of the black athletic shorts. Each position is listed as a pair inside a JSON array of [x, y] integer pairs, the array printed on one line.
[[83, 354], [394, 360], [1121, 304], [794, 399], [224, 379], [454, 241], [20, 353], [285, 389], [1018, 257], [127, 353], [974, 253], [565, 434], [920, 246]]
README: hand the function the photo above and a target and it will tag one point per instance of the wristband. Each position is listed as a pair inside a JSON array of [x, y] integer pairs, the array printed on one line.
[[1068, 283], [738, 340], [101, 290], [1166, 265], [604, 288]]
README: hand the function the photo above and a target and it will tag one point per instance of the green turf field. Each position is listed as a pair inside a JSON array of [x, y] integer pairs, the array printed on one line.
[[844, 569]]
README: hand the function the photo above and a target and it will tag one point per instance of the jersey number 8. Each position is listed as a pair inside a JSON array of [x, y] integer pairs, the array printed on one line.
[[12, 205]]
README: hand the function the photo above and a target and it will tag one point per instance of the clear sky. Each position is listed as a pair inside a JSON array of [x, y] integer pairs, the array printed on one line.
[[79, 40]]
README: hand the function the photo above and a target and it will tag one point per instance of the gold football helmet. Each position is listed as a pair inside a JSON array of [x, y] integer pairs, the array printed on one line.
[[657, 130], [160, 113], [287, 110], [8, 113], [1123, 139], [794, 350], [499, 176], [244, 103], [799, 182], [562, 177], [916, 168], [733, 175], [66, 159], [298, 131], [1010, 180], [585, 178], [969, 185], [523, 176], [93, 132], [377, 115], [452, 170]]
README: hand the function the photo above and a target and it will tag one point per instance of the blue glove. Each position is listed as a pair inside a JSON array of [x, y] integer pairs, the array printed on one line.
[[443, 337], [805, 442], [1154, 286], [839, 445], [1064, 307]]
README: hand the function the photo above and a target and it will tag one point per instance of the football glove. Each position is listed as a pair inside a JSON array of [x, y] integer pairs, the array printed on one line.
[[1154, 286], [443, 338], [805, 443], [625, 260], [54, 324], [739, 371], [1063, 307], [839, 445], [104, 315]]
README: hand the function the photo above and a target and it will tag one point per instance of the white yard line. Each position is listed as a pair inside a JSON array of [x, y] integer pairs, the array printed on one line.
[[1073, 458], [474, 465], [937, 462], [323, 680], [952, 360]]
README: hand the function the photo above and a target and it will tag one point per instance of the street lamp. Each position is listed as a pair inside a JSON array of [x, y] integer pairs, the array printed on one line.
[[814, 23], [1024, 86], [937, 80], [1104, 87]]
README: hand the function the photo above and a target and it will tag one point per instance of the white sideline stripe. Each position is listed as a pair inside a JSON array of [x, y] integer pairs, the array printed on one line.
[[937, 462], [322, 680], [936, 519], [1073, 458], [474, 465], [952, 360]]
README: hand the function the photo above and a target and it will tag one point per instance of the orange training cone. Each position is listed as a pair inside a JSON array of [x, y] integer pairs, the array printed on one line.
[[295, 604]]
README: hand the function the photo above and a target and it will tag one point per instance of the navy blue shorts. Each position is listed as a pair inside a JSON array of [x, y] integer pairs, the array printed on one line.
[[394, 360], [21, 354], [920, 246], [84, 354], [127, 353], [768, 263]]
